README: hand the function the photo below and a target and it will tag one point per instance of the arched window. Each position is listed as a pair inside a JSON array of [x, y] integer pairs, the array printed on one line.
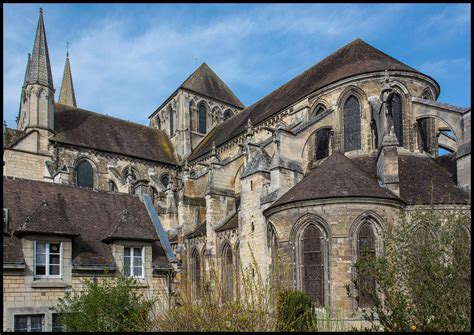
[[202, 119], [312, 256], [112, 186], [365, 249], [153, 194], [195, 273], [228, 114], [85, 174], [322, 143], [159, 122], [227, 273], [397, 118], [351, 124], [319, 109], [272, 242], [171, 122]]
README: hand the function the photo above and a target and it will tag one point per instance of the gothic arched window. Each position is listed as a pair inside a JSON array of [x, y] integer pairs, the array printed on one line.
[[397, 118], [159, 122], [85, 174], [312, 252], [195, 273], [112, 186], [351, 124], [171, 122], [228, 114], [365, 249], [272, 242], [322, 143], [319, 109], [227, 273], [202, 119]]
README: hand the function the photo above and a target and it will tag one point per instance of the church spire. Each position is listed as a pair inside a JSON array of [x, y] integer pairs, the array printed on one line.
[[28, 64], [66, 95], [40, 68]]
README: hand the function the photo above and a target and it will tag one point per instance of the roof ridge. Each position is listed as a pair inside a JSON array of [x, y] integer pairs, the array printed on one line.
[[109, 116]]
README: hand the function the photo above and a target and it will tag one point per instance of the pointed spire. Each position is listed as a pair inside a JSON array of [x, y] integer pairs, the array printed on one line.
[[40, 68], [67, 95], [28, 64]]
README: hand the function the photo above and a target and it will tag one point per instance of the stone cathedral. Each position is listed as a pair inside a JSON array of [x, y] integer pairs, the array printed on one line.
[[306, 175]]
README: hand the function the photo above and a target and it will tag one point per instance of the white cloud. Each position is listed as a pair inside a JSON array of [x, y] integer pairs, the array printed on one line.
[[127, 68]]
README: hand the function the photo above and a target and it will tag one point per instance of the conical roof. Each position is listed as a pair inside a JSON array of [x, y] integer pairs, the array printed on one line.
[[353, 59], [336, 177], [66, 95], [40, 68]]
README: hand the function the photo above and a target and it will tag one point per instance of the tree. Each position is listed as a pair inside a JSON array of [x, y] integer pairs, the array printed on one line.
[[423, 278], [114, 304]]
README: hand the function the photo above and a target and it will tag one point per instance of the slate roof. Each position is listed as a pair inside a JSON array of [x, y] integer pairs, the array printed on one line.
[[422, 180], [336, 177], [355, 58], [205, 82], [200, 230], [92, 215], [101, 132], [12, 136], [232, 223]]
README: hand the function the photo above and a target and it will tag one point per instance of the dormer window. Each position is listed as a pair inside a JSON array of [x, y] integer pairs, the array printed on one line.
[[133, 261], [47, 259]]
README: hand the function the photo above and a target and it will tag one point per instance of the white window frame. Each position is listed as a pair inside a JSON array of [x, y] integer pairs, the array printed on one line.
[[132, 255], [47, 275]]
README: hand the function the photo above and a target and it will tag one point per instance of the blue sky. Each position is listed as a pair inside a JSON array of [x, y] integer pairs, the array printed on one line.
[[126, 59]]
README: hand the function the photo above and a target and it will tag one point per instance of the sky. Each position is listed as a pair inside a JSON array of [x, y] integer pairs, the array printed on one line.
[[126, 59]]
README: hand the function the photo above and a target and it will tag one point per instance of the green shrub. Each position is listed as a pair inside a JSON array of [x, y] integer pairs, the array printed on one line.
[[296, 311], [424, 276], [114, 304]]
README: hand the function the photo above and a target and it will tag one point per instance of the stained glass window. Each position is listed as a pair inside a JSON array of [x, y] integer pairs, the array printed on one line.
[[313, 264], [351, 124], [85, 174], [202, 119], [322, 143], [365, 249]]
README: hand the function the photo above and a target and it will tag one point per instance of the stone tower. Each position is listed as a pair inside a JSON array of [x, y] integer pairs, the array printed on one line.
[[66, 94], [200, 103], [37, 98]]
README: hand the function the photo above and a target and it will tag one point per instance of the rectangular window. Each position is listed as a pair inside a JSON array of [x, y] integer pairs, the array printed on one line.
[[133, 261], [47, 259], [29, 323], [56, 325]]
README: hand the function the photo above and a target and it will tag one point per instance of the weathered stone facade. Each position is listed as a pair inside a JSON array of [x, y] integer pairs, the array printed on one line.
[[255, 183]]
